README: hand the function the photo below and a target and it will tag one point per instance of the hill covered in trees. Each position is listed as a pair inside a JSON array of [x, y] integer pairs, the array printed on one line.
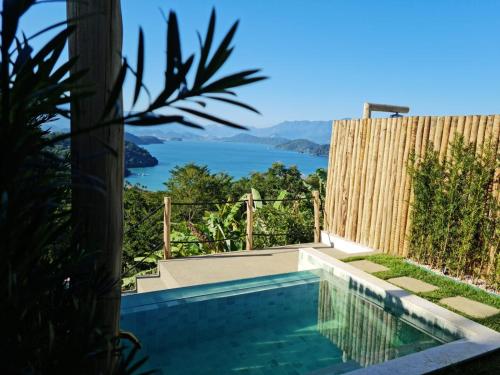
[[305, 147]]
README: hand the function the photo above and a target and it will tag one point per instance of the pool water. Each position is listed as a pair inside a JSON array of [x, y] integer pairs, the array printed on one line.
[[283, 324]]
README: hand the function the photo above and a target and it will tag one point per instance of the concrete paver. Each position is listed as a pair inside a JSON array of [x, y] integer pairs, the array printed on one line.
[[470, 307], [412, 284], [368, 266]]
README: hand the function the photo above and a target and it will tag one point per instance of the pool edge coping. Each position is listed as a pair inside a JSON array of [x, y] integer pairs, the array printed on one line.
[[477, 339]]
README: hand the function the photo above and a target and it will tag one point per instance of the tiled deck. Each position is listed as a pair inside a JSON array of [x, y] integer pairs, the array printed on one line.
[[198, 270]]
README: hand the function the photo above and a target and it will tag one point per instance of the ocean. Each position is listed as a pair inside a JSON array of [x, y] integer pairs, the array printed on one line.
[[236, 159]]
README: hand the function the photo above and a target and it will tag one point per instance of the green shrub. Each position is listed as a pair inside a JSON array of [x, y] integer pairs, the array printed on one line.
[[454, 214]]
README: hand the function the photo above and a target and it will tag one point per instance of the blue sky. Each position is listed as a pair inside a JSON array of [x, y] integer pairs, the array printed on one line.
[[326, 57]]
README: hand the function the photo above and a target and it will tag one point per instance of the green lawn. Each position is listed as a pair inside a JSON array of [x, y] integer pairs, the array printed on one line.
[[447, 287]]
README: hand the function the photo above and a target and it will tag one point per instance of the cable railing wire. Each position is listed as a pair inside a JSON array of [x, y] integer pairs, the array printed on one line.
[[148, 216], [158, 246]]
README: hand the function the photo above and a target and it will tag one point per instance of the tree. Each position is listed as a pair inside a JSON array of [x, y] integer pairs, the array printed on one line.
[[195, 184], [98, 213], [272, 182]]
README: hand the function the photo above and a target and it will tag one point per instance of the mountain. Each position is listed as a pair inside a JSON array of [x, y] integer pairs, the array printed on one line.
[[142, 139], [315, 131], [306, 147], [138, 157], [248, 138]]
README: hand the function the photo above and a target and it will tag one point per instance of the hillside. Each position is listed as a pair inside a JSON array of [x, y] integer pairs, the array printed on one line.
[[306, 147], [142, 139], [135, 156], [138, 157]]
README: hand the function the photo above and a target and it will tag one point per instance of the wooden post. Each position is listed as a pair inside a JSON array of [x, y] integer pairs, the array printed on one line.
[[317, 203], [166, 228], [250, 221]]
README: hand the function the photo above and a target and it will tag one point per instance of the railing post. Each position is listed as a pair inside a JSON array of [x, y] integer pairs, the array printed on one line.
[[250, 221], [316, 203], [166, 228]]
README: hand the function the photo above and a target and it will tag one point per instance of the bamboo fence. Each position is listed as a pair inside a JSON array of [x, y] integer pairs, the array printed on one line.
[[369, 190]]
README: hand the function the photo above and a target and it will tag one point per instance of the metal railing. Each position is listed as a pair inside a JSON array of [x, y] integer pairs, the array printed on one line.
[[167, 242]]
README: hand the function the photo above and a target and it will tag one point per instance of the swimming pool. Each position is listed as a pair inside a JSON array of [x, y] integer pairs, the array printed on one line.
[[294, 323]]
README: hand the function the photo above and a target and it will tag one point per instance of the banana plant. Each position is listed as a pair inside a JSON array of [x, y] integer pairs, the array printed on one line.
[[226, 227]]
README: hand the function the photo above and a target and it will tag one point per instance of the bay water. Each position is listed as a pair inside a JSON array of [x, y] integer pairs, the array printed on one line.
[[236, 159]]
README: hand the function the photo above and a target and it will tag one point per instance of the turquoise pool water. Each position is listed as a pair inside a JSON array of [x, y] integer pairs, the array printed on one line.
[[283, 324]]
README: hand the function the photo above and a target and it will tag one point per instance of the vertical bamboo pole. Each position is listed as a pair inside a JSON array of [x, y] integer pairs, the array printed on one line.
[[376, 187], [330, 178], [397, 188], [370, 183], [249, 221], [408, 193], [363, 181], [317, 229], [382, 184], [445, 137], [480, 134], [474, 129], [467, 129], [453, 134], [167, 214]]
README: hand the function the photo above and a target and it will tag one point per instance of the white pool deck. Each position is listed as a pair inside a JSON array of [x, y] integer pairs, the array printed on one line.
[[196, 270]]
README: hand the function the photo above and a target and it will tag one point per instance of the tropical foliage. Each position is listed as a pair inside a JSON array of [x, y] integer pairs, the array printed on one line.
[[455, 213], [52, 285], [202, 223]]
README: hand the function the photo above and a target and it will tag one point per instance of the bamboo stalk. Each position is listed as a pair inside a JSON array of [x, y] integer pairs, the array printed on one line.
[[388, 188], [474, 129], [363, 182], [444, 139], [371, 170], [340, 164], [467, 128], [453, 135], [392, 205], [480, 134], [438, 133], [329, 198], [398, 190], [346, 178], [382, 187], [408, 195], [402, 202], [352, 179], [376, 188]]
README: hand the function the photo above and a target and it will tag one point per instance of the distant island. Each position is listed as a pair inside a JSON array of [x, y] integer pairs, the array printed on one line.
[[135, 156], [142, 139], [305, 147]]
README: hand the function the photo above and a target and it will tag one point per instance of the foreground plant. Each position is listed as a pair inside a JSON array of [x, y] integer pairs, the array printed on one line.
[[455, 212], [56, 278]]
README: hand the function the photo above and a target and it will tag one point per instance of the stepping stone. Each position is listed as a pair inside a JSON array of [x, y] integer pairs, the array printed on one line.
[[414, 285], [470, 307], [367, 266]]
